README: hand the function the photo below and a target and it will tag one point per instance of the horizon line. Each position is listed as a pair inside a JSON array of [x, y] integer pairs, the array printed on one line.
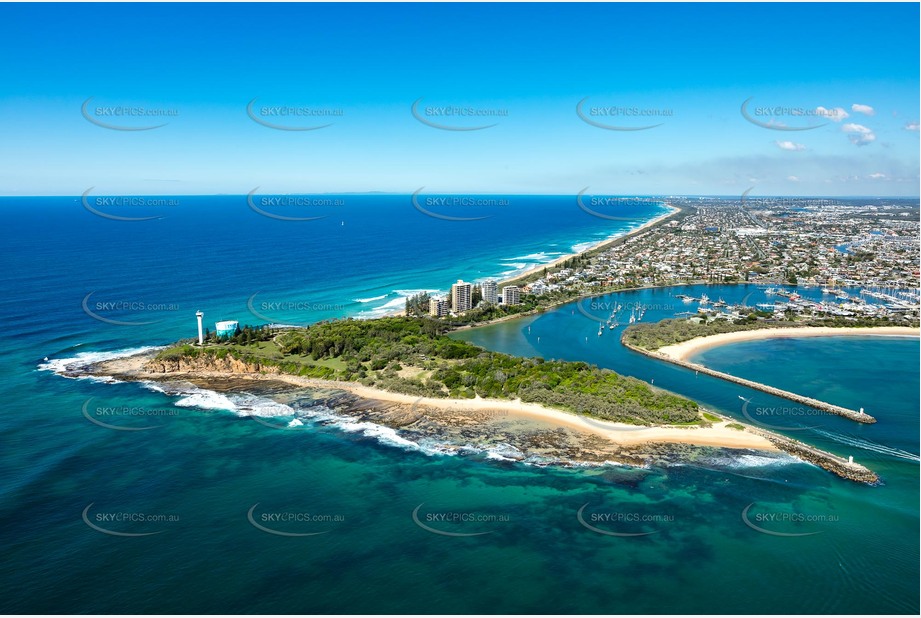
[[464, 193]]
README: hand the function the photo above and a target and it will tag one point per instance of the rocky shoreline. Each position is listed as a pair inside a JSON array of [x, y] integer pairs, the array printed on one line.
[[504, 436], [515, 438]]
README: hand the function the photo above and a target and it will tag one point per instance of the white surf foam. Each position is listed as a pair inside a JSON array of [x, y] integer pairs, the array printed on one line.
[[206, 400], [393, 305], [152, 386], [408, 293], [751, 461], [246, 405], [370, 300], [584, 246], [541, 257], [80, 362], [504, 452]]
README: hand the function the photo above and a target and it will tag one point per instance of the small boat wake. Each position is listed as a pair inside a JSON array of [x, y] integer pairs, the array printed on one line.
[[868, 445]]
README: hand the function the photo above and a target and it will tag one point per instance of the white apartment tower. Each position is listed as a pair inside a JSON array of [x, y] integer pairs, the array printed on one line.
[[461, 295], [490, 292], [511, 295]]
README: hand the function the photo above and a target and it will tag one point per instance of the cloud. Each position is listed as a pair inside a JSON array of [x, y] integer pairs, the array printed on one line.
[[878, 176], [793, 178], [852, 127], [858, 134], [912, 126], [863, 109], [788, 145], [836, 114]]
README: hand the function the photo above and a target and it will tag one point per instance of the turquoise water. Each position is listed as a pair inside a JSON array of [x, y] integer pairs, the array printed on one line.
[[872, 545], [206, 462], [875, 373]]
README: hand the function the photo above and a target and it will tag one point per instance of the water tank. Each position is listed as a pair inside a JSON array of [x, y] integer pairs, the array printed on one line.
[[226, 328]]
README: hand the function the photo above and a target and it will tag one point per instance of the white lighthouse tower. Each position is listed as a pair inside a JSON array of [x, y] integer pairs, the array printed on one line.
[[201, 334]]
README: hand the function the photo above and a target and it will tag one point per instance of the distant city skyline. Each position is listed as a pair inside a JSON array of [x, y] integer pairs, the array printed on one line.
[[546, 99]]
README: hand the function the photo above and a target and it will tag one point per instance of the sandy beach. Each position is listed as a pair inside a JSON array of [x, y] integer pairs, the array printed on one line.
[[620, 433], [717, 435], [686, 349], [539, 267], [598, 246]]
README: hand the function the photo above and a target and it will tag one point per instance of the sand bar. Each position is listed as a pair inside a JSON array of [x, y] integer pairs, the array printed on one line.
[[686, 349]]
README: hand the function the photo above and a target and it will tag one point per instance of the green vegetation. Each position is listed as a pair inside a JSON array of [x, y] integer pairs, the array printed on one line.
[[418, 304], [414, 356], [243, 336], [652, 336], [736, 426], [711, 417]]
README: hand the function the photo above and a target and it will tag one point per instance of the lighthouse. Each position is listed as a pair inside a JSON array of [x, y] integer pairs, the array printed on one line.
[[201, 335]]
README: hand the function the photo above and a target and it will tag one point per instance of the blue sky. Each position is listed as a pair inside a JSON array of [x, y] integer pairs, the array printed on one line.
[[851, 68]]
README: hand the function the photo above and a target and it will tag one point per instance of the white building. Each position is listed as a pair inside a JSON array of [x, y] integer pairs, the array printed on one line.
[[227, 328], [490, 291], [511, 295], [461, 296]]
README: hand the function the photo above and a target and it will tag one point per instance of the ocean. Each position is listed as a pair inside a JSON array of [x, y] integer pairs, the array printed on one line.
[[229, 514]]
